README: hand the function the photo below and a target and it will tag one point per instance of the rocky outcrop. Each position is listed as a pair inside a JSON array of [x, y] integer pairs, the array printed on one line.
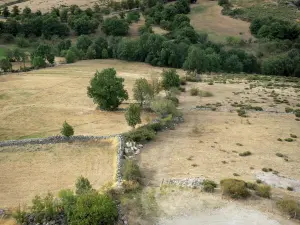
[[185, 182]]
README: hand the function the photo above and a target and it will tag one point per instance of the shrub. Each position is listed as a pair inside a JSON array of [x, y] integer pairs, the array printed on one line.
[[223, 2], [297, 114], [279, 155], [170, 79], [263, 191], [251, 185], [205, 94], [133, 115], [70, 56], [132, 171], [194, 91], [242, 112], [247, 153], [290, 207], [289, 110], [290, 188], [234, 188], [279, 139], [258, 181], [83, 186], [130, 186], [209, 186], [164, 107], [140, 134], [5, 64], [293, 136], [67, 130], [289, 139]]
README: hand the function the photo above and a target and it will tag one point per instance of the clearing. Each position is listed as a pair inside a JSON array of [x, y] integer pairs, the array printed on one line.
[[32, 170], [36, 103], [206, 16]]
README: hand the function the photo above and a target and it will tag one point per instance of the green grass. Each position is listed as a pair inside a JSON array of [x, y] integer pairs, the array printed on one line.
[[199, 9]]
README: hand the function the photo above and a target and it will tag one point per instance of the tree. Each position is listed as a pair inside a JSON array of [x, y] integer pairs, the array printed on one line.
[[196, 60], [26, 11], [233, 64], [142, 91], [67, 130], [133, 115], [114, 26], [38, 62], [70, 56], [83, 42], [170, 79], [104, 54], [5, 64], [5, 12], [15, 10], [164, 107], [83, 186], [107, 90]]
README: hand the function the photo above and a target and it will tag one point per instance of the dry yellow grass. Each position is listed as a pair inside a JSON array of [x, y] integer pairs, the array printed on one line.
[[36, 103], [211, 20], [32, 170], [209, 139]]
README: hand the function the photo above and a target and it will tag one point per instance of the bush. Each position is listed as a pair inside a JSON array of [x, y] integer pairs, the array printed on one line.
[[133, 115], [67, 130], [289, 110], [140, 134], [297, 114], [290, 207], [242, 112], [132, 171], [170, 79], [234, 188], [223, 2], [293, 136], [279, 155], [83, 186], [70, 56], [289, 139], [263, 191], [164, 107], [205, 94], [209, 186], [22, 42], [247, 153], [194, 91], [114, 26], [251, 185]]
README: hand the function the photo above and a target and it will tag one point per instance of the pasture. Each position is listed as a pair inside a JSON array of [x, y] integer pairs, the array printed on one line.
[[35, 104], [32, 170]]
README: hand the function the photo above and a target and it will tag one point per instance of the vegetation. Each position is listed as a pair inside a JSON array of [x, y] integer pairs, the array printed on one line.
[[83, 186], [209, 186], [133, 115], [263, 191], [132, 171], [247, 153], [107, 90], [290, 207], [67, 130], [170, 79], [234, 188], [143, 92]]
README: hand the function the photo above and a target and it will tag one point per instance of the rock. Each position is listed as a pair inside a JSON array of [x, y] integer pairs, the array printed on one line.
[[137, 152]]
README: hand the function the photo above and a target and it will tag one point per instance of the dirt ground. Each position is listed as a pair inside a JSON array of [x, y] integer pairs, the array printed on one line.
[[208, 143], [35, 104], [210, 19], [36, 169]]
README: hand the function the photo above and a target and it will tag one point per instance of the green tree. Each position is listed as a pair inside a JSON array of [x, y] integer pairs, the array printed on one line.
[[107, 90], [15, 10], [26, 11], [133, 115], [38, 62], [233, 64], [67, 130], [83, 42], [70, 56], [114, 26], [104, 53], [196, 60], [5, 12], [143, 91], [164, 107], [170, 79], [91, 52], [83, 186], [5, 64]]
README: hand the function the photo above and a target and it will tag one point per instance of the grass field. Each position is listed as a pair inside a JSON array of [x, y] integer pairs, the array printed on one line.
[[32, 170], [35, 104], [206, 16], [209, 142]]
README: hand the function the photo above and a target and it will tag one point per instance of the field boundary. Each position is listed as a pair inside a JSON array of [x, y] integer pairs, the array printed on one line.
[[61, 139]]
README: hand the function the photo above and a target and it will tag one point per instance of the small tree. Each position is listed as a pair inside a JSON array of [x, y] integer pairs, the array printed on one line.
[[38, 62], [170, 78], [133, 115], [142, 91], [67, 130], [107, 90], [83, 186], [70, 56], [5, 64]]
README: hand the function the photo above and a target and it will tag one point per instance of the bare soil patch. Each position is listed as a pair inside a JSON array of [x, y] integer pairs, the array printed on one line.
[[32, 170]]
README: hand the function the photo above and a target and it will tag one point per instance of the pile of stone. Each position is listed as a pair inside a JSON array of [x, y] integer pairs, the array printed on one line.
[[132, 148], [185, 182]]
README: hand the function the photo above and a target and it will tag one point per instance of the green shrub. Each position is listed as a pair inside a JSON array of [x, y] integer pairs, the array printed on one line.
[[83, 186], [133, 115], [194, 91], [279, 154], [170, 79], [251, 185], [279, 139], [258, 181], [67, 130], [267, 169], [131, 171], [223, 2], [289, 110], [290, 207], [263, 191], [140, 134], [247, 153], [164, 107], [242, 112], [293, 136], [234, 188], [297, 114], [209, 186], [290, 188], [289, 139]]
